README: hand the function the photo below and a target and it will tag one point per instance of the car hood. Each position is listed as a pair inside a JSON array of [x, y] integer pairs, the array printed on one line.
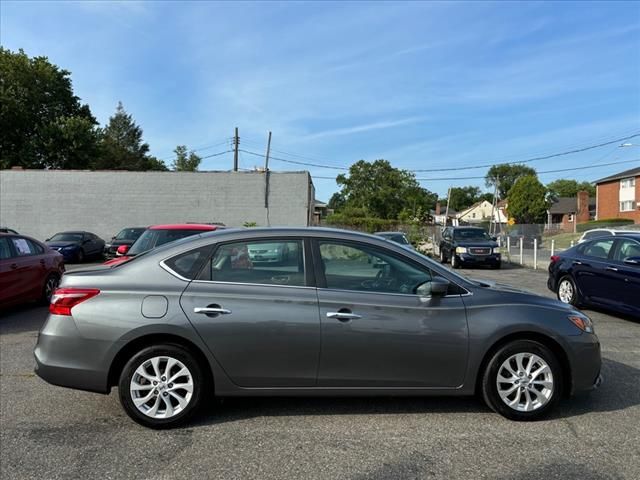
[[62, 244], [531, 297], [117, 260]]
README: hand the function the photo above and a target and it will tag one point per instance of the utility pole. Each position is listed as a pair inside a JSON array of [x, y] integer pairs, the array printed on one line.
[[266, 157], [266, 179], [446, 214], [236, 144]]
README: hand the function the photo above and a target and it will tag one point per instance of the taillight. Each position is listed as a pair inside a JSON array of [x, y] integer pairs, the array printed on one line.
[[64, 299], [555, 258]]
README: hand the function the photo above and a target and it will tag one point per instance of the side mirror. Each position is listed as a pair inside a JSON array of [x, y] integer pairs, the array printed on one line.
[[123, 249], [48, 240], [633, 261], [495, 239], [438, 286]]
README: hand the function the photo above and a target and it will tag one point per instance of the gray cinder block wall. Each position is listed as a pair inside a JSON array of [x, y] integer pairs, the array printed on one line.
[[40, 203]]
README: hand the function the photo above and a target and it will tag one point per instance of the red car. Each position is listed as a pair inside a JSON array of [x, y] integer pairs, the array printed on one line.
[[29, 270], [157, 235]]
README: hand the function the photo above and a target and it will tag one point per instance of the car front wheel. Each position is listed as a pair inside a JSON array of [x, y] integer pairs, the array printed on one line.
[[455, 262], [522, 381], [443, 256], [161, 386]]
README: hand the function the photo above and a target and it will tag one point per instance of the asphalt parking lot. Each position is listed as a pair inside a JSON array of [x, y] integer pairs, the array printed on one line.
[[50, 432]]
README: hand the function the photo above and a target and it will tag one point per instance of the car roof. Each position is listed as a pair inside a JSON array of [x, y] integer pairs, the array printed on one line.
[[185, 226], [389, 233]]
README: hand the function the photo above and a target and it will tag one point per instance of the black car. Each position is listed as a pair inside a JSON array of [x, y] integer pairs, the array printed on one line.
[[602, 272], [126, 236], [77, 245], [469, 246], [8, 230]]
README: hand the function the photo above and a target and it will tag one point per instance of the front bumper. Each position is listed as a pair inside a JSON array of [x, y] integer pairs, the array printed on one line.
[[65, 358], [468, 258], [586, 363]]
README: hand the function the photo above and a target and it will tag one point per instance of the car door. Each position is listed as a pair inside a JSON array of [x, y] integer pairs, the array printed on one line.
[[28, 268], [594, 279], [9, 274], [376, 331], [626, 275], [259, 318]]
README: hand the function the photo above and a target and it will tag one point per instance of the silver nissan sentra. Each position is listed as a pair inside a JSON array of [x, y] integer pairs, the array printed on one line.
[[339, 313]]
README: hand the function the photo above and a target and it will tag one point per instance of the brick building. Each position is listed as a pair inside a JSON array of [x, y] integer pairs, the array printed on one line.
[[618, 196], [566, 212]]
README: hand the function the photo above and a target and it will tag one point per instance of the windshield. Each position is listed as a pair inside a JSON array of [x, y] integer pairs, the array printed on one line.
[[66, 237], [154, 238], [129, 233], [470, 234]]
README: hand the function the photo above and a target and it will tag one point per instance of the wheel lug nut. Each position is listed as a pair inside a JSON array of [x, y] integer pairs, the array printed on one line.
[[171, 385], [516, 382], [155, 383], [520, 374], [163, 378], [155, 392], [164, 394], [529, 377]]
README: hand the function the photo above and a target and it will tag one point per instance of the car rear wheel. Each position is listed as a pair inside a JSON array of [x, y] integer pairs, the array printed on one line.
[[50, 285], [80, 256], [522, 381], [161, 386], [567, 291]]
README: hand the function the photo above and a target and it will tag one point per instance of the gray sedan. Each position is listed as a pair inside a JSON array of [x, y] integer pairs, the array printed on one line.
[[198, 317]]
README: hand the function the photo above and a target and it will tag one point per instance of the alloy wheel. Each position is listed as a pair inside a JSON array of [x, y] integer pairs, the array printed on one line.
[[525, 382], [565, 291], [161, 387], [50, 287]]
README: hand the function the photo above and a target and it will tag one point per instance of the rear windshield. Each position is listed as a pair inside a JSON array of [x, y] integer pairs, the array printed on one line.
[[154, 238]]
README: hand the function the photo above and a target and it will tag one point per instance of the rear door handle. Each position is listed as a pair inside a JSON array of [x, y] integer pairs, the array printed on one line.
[[611, 269], [211, 310], [343, 315], [14, 266]]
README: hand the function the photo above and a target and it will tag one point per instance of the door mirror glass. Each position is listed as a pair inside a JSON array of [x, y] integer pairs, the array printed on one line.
[[437, 286]]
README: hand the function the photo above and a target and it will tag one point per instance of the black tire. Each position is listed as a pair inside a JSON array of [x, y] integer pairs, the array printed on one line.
[[80, 256], [490, 376], [496, 266], [443, 256], [176, 352], [50, 285], [574, 298], [455, 263]]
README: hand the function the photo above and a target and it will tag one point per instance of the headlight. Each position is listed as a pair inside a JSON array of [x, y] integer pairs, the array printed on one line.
[[583, 322], [461, 249], [496, 250], [69, 247]]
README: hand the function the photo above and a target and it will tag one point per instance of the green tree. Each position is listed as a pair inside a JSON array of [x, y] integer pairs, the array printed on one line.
[[528, 200], [570, 188], [43, 124], [185, 161], [122, 147], [463, 197], [506, 176], [336, 202], [382, 190]]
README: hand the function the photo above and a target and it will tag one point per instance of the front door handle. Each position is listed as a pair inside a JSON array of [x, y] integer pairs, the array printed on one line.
[[576, 262], [211, 311], [611, 269], [343, 316]]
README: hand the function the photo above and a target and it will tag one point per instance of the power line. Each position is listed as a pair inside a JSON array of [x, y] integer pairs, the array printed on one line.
[[199, 149], [539, 173], [468, 167], [216, 154]]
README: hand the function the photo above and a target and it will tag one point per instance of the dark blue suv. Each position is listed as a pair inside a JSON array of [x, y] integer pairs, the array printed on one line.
[[469, 246]]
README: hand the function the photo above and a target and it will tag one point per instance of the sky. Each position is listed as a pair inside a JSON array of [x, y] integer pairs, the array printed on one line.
[[425, 85]]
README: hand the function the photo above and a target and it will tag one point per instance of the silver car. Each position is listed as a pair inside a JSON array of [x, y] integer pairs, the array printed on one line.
[[198, 317]]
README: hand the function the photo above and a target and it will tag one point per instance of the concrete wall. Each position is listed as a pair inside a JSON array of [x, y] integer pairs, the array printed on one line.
[[40, 203]]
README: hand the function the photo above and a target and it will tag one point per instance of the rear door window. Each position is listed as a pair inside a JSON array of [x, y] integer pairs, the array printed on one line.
[[23, 247], [598, 249], [5, 249], [266, 262]]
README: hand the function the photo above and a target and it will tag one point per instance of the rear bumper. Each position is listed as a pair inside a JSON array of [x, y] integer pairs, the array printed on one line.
[[66, 359]]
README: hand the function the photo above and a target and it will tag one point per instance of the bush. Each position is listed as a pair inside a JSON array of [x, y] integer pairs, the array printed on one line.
[[604, 223], [365, 224]]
